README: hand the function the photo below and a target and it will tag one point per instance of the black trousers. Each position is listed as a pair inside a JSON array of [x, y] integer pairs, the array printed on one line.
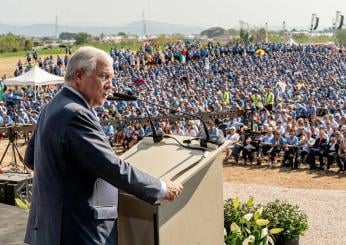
[[311, 158]]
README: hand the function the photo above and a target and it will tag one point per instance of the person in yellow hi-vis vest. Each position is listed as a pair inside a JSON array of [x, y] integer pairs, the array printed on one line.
[[268, 100], [256, 99], [225, 97]]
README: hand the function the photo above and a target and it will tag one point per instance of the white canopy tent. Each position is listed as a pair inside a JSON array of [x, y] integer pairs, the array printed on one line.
[[35, 77]]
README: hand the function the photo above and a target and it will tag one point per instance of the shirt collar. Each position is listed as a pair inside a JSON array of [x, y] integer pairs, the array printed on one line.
[[78, 94]]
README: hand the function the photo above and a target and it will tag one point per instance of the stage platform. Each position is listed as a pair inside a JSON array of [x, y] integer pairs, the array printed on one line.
[[12, 224]]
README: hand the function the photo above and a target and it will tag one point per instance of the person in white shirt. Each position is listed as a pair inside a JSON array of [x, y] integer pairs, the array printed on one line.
[[190, 130], [265, 144], [305, 145], [233, 137]]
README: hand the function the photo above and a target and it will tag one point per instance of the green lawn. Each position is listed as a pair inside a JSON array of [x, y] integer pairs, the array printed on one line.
[[42, 52], [104, 46]]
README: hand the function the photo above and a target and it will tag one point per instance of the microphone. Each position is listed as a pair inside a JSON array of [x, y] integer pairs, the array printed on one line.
[[120, 96], [129, 97], [214, 140]]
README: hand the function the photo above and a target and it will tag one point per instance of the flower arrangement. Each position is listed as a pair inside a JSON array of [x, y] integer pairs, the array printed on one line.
[[244, 224], [287, 216], [247, 223]]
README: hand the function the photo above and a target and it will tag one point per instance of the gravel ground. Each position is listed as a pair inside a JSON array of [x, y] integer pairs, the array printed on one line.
[[326, 209]]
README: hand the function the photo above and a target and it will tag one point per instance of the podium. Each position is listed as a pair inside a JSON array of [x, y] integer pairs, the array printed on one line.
[[196, 217]]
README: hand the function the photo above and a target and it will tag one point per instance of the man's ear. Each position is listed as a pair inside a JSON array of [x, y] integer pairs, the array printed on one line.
[[77, 76]]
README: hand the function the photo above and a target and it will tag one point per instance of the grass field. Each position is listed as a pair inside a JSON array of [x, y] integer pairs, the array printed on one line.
[[53, 51], [9, 60]]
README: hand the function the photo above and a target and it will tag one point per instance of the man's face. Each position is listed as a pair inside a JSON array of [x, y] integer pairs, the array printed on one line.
[[95, 87]]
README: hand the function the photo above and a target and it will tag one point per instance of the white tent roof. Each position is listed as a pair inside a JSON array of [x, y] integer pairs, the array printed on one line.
[[36, 76], [291, 41]]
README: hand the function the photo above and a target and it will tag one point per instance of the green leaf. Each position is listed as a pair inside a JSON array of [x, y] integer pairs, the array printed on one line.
[[249, 202], [262, 222], [21, 204], [27, 203], [258, 213], [236, 203], [275, 231]]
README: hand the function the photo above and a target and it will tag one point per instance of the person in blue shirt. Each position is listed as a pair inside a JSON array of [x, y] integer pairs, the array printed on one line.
[[265, 144], [311, 110], [278, 143], [290, 149], [7, 119], [302, 111]]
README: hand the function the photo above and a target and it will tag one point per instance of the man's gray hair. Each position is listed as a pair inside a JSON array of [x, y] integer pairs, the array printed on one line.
[[85, 58]]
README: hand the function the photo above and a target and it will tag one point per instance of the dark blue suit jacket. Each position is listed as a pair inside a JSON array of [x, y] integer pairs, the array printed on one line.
[[76, 176]]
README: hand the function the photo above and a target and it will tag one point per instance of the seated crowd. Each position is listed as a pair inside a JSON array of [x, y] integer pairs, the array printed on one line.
[[282, 92]]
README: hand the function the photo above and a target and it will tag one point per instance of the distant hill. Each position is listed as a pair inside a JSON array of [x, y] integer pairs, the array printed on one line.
[[153, 27]]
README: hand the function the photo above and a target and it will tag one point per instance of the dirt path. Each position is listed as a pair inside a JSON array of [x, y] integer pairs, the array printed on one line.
[[8, 64]]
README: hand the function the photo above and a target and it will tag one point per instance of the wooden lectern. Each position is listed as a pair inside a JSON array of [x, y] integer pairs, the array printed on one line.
[[196, 217]]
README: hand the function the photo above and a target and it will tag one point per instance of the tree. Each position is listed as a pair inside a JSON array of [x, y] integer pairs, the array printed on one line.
[[300, 37], [122, 34], [82, 38], [259, 36], [28, 44], [244, 36], [213, 32], [67, 35], [13, 43], [341, 37]]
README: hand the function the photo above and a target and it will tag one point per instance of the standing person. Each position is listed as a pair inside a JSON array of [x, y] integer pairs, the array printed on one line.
[[268, 100], [256, 99], [2, 88], [77, 174]]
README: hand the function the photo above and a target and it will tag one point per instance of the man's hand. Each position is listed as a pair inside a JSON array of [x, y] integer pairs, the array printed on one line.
[[173, 190]]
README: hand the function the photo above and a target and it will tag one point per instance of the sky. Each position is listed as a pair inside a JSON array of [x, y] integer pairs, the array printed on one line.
[[203, 13]]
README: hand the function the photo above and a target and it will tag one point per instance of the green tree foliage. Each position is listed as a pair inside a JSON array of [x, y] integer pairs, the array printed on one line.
[[13, 43], [245, 36], [259, 35], [67, 35], [341, 36], [82, 38], [275, 38], [214, 32], [301, 38], [122, 34]]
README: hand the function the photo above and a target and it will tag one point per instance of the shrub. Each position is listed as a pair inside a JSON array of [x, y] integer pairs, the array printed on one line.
[[244, 224], [287, 216]]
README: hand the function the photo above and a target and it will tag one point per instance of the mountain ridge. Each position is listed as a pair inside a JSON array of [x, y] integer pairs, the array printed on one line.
[[135, 27]]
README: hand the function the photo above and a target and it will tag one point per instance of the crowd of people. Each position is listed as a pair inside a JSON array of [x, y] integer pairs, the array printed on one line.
[[293, 95]]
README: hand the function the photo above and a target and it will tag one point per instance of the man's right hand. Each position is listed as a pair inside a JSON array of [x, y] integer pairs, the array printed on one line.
[[173, 190]]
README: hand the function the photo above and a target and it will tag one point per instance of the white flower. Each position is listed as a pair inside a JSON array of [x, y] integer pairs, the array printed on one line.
[[235, 228], [248, 216], [264, 232], [249, 240]]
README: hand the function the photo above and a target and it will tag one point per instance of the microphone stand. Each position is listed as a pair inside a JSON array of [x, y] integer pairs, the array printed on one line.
[[216, 141], [156, 137], [203, 142]]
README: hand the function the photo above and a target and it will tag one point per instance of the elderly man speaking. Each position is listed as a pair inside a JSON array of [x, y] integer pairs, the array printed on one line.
[[77, 174]]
